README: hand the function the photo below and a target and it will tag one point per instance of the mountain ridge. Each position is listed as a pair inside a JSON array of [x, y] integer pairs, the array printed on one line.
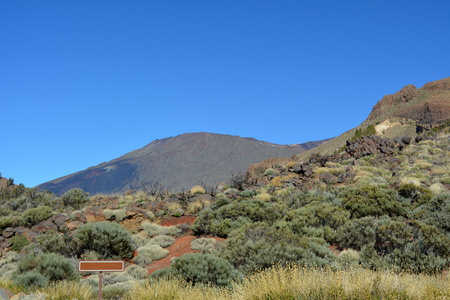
[[176, 162]]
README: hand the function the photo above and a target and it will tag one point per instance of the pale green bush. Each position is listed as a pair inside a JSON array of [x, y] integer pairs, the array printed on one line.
[[163, 241], [203, 244], [137, 272], [149, 253], [118, 214], [153, 229]]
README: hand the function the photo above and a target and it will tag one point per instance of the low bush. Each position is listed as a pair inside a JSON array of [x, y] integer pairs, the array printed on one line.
[[163, 241], [18, 242], [357, 233], [203, 244], [37, 270], [232, 216], [36, 215], [75, 198], [418, 195], [110, 240], [137, 272], [258, 246], [201, 268], [118, 214], [348, 258], [5, 222], [269, 171], [371, 201], [153, 229], [149, 253]]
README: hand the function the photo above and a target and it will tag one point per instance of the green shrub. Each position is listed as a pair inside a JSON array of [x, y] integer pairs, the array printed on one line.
[[56, 267], [36, 215], [417, 194], [5, 222], [247, 193], [357, 233], [18, 242], [258, 246], [178, 212], [38, 270], [75, 198], [371, 201], [110, 240], [322, 216], [201, 268], [393, 235], [269, 171], [219, 203], [163, 241], [32, 279], [435, 212], [203, 244], [232, 216]]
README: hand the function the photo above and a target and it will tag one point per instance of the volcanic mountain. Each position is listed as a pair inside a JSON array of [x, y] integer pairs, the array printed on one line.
[[177, 163]]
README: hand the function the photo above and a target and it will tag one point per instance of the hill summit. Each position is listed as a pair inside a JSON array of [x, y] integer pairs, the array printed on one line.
[[176, 162]]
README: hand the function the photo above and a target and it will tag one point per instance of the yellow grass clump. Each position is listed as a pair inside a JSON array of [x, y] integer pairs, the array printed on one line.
[[276, 181], [198, 205], [198, 189], [321, 170], [264, 197], [173, 206]]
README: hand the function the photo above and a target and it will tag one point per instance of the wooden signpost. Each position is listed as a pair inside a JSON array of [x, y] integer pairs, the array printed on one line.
[[101, 266]]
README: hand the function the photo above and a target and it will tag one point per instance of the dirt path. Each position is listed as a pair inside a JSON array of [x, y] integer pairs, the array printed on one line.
[[182, 245]]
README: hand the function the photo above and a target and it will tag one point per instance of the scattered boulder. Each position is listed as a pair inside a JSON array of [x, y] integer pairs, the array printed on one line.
[[8, 232]]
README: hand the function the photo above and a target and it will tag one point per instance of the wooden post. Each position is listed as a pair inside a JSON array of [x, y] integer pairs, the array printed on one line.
[[100, 283], [101, 266]]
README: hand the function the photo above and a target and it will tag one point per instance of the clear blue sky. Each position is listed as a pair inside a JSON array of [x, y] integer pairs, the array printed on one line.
[[83, 82]]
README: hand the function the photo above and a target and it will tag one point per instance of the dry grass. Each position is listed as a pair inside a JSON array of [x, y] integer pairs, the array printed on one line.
[[264, 197], [198, 205], [306, 283], [173, 206], [198, 189], [67, 290], [440, 170], [321, 170]]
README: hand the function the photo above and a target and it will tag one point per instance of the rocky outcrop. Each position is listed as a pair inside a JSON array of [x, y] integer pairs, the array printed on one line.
[[405, 95], [367, 145], [373, 144]]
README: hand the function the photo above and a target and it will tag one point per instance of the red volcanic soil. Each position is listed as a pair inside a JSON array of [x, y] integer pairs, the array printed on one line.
[[175, 221], [182, 245]]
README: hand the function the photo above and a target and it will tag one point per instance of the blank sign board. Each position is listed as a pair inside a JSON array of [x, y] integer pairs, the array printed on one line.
[[101, 266]]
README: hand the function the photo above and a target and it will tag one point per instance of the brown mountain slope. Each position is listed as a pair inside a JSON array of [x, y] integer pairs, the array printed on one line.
[[408, 112], [176, 162]]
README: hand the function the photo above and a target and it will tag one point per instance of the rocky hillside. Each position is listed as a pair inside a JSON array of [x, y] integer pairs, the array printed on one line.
[[410, 111], [176, 162]]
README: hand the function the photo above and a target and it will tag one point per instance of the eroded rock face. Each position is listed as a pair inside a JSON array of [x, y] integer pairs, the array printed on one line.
[[405, 95]]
